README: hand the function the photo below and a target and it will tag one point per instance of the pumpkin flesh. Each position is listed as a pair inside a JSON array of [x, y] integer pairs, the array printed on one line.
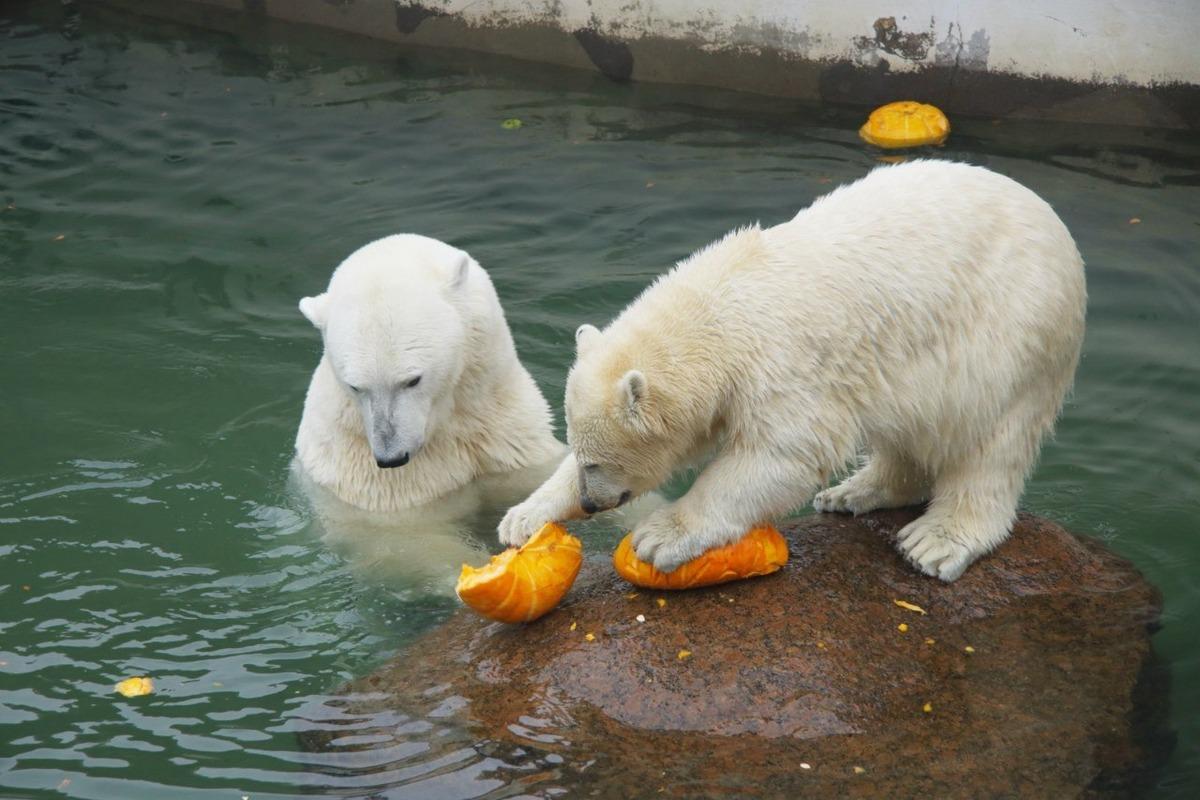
[[522, 584]]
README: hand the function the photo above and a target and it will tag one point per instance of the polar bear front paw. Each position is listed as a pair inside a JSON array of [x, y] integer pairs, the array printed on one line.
[[521, 522], [932, 547], [662, 540]]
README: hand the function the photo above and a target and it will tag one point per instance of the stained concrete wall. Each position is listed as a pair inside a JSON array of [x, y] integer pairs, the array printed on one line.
[[1137, 41], [1122, 61]]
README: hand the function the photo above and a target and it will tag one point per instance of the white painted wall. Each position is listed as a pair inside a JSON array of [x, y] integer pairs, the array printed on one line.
[[1111, 41]]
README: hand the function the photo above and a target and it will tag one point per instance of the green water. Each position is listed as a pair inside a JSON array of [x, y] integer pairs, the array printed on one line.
[[166, 196]]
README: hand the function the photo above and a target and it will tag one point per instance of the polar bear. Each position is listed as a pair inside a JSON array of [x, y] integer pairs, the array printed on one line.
[[929, 315], [419, 391]]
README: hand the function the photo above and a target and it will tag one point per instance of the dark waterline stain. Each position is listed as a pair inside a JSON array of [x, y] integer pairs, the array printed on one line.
[[409, 16], [611, 56]]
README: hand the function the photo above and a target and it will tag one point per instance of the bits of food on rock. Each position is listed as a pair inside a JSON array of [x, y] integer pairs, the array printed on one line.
[[910, 606]]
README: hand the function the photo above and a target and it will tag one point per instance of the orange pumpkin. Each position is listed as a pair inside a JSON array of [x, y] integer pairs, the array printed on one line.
[[760, 552], [905, 124], [520, 585]]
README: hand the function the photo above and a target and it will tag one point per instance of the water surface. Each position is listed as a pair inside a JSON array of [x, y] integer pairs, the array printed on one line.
[[167, 194]]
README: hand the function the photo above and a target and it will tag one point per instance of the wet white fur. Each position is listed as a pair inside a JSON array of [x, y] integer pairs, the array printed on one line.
[[399, 307], [929, 315], [419, 548]]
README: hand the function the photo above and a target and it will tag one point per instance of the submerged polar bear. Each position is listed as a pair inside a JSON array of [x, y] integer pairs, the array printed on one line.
[[419, 391], [930, 314], [420, 424]]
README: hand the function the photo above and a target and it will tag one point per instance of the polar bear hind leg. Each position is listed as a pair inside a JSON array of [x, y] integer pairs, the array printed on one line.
[[974, 497], [886, 480]]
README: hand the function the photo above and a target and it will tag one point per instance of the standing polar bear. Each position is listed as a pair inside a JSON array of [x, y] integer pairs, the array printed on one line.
[[930, 314], [419, 390]]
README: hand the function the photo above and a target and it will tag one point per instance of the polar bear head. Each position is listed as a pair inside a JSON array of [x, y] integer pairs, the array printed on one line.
[[620, 425], [395, 327]]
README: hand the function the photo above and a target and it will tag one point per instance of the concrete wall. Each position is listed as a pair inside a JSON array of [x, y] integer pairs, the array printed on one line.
[[1136, 41], [1122, 61]]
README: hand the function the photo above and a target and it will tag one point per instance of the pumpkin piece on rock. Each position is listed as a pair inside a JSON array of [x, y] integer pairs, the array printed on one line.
[[760, 552], [522, 584]]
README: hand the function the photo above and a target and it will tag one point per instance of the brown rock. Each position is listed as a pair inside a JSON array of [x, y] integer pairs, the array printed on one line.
[[1060, 697]]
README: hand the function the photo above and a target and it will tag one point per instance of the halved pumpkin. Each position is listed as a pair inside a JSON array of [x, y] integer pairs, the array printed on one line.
[[522, 584], [760, 552], [905, 124]]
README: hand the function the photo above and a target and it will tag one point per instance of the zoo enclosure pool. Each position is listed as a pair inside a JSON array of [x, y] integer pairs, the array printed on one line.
[[168, 193]]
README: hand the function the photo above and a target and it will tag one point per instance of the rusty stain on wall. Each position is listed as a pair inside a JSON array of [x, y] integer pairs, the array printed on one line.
[[889, 38]]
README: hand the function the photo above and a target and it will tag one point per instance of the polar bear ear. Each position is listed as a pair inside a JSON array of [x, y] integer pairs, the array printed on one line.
[[459, 272], [585, 336], [316, 309], [633, 389]]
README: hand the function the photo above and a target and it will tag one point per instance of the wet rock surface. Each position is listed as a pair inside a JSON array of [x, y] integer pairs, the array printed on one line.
[[1036, 666]]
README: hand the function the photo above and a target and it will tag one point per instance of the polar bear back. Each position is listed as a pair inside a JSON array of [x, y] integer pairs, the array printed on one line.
[[917, 304], [959, 289]]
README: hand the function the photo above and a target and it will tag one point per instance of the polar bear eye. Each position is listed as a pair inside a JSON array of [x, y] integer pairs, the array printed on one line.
[[413, 382], [354, 389]]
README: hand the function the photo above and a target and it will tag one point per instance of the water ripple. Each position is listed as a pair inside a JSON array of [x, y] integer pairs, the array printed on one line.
[[167, 196]]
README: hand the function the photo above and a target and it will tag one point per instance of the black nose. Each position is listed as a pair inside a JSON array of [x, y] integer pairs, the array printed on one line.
[[399, 461], [588, 506]]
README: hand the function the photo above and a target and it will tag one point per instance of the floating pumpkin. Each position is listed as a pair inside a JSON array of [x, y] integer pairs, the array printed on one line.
[[760, 552], [905, 124], [135, 687], [520, 585]]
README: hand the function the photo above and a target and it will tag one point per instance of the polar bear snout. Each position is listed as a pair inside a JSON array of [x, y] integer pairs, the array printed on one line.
[[392, 450], [395, 424], [590, 506], [598, 492]]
